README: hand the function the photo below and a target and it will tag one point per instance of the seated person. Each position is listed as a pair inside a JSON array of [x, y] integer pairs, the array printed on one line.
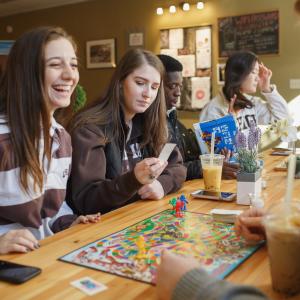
[[183, 278], [249, 224], [183, 137], [40, 76], [243, 74], [117, 138]]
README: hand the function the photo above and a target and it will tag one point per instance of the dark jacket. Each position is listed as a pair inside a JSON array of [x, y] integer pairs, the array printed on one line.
[[187, 144], [98, 182]]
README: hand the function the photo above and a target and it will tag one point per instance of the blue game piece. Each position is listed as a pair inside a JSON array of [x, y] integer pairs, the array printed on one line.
[[184, 202]]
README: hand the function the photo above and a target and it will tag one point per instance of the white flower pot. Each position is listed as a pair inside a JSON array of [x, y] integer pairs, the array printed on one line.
[[248, 183]]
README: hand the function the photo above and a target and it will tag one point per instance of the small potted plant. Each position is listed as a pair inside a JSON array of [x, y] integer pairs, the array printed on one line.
[[249, 176], [80, 99]]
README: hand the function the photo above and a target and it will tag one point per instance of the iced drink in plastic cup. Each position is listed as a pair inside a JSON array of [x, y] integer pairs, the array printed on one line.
[[282, 225], [212, 171]]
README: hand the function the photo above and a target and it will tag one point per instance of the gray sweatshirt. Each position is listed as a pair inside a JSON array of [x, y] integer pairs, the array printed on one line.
[[198, 285], [262, 113]]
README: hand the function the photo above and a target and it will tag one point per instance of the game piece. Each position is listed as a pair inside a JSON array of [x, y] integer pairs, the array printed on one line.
[[89, 286], [173, 203], [178, 208], [184, 201], [141, 248], [215, 245]]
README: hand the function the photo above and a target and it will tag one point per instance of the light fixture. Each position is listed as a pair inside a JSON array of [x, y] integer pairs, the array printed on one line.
[[172, 9], [185, 6], [159, 11], [200, 5]]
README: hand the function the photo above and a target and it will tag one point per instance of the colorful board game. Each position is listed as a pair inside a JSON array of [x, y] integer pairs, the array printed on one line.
[[214, 244]]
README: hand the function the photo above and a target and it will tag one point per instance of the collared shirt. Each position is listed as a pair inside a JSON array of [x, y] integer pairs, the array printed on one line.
[[35, 209]]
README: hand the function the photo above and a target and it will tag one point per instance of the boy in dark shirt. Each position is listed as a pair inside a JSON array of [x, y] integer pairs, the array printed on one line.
[[180, 135]]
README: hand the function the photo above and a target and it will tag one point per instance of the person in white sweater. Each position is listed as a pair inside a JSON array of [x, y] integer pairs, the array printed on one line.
[[244, 74]]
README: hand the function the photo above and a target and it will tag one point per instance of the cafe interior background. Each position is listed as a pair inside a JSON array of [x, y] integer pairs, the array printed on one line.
[[118, 20]]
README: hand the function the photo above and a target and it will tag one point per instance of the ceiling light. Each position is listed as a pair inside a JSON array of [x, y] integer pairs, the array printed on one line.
[[172, 9], [186, 6], [159, 11], [200, 5]]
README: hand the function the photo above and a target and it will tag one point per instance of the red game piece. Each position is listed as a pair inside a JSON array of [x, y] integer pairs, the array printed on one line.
[[178, 207]]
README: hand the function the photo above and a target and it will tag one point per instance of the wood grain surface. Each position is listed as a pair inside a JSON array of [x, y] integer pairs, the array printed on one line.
[[54, 282]]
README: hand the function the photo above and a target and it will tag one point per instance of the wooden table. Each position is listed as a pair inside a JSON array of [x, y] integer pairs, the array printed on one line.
[[54, 282]]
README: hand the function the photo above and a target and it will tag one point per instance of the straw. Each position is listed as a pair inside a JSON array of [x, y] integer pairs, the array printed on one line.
[[212, 147], [290, 178]]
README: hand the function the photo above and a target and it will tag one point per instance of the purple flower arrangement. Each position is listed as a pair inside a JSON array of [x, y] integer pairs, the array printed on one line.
[[247, 149]]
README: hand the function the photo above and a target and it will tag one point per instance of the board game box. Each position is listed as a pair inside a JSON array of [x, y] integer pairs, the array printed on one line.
[[214, 244], [225, 131]]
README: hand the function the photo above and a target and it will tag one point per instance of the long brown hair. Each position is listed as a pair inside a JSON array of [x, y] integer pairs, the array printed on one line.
[[238, 67], [107, 110], [23, 102]]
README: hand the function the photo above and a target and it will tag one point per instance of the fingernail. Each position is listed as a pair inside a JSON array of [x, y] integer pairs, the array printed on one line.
[[37, 246]]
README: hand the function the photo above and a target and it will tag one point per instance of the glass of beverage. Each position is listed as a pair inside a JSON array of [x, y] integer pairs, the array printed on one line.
[[212, 171], [282, 224]]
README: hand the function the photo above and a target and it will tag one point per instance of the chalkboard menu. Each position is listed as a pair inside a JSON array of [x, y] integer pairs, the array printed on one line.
[[254, 32]]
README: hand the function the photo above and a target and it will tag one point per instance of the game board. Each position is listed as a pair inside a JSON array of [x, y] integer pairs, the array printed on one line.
[[215, 245]]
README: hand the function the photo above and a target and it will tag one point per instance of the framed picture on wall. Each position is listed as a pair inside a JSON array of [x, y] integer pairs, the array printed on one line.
[[100, 54], [136, 39], [5, 47]]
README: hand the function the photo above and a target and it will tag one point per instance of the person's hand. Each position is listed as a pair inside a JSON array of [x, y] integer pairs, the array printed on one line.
[[87, 219], [20, 240], [170, 270], [265, 75], [249, 225], [229, 170], [147, 170], [227, 153], [152, 190]]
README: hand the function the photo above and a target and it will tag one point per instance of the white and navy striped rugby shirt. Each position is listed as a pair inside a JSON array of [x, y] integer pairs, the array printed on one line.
[[42, 212]]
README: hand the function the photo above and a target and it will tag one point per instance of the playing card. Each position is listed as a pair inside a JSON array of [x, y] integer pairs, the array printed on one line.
[[166, 151], [225, 215], [89, 286]]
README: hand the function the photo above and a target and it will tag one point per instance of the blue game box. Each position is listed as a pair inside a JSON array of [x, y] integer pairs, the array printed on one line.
[[225, 131]]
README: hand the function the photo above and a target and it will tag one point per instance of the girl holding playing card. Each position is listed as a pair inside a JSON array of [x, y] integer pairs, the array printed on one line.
[[117, 139], [40, 77]]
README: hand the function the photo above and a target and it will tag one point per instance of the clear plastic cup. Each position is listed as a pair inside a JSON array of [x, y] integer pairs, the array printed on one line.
[[212, 171], [282, 225]]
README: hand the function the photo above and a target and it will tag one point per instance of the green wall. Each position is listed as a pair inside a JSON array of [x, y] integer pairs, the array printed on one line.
[[101, 19]]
